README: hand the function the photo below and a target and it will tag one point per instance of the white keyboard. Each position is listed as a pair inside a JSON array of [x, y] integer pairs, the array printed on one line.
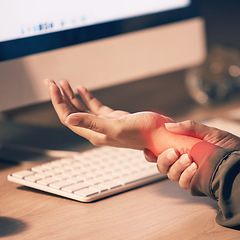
[[91, 175]]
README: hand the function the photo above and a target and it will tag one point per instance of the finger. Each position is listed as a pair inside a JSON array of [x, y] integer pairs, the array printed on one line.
[[178, 167], [149, 155], [47, 82], [95, 138], [166, 159], [71, 97], [62, 108], [188, 127], [108, 127], [93, 104], [187, 176]]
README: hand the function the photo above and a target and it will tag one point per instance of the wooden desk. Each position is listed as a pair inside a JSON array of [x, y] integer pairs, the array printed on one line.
[[158, 211]]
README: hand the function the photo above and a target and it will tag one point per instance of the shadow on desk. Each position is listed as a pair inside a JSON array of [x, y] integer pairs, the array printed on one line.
[[11, 226]]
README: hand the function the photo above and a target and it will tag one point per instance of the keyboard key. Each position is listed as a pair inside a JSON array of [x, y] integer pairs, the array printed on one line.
[[61, 184], [111, 184], [47, 181], [38, 169], [101, 187], [23, 173], [87, 192], [75, 187], [33, 178]]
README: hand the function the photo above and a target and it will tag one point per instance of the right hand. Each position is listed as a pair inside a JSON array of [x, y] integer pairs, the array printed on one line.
[[208, 134], [180, 168]]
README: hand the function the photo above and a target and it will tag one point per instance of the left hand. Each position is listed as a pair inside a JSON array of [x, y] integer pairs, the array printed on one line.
[[100, 124]]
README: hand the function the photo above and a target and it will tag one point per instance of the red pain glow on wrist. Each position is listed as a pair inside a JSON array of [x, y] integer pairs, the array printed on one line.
[[202, 151]]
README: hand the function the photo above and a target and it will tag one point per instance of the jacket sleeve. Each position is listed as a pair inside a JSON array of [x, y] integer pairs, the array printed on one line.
[[218, 177]]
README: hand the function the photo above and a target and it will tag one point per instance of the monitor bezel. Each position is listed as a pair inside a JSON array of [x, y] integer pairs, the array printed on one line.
[[35, 44]]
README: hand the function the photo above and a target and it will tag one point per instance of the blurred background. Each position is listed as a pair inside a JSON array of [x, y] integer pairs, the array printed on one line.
[[222, 22], [169, 93]]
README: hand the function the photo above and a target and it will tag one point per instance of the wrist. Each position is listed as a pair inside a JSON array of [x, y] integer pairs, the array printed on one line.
[[162, 139]]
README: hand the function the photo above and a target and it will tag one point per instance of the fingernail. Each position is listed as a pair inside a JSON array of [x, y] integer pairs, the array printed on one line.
[[82, 88], [171, 125], [45, 80], [51, 84], [172, 155], [193, 167], [48, 81], [185, 159]]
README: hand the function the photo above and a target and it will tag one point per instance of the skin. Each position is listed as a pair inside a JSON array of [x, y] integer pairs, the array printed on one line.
[[183, 172]]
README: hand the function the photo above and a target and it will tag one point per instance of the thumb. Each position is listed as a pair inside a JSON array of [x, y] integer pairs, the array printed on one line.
[[189, 128], [94, 123]]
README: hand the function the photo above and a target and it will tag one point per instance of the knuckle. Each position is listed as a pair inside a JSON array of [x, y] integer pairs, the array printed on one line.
[[91, 125], [190, 124]]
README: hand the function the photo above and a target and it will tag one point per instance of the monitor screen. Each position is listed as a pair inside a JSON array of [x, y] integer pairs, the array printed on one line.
[[45, 25], [96, 43]]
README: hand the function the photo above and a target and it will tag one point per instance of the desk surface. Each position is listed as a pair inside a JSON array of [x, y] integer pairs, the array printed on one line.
[[158, 211]]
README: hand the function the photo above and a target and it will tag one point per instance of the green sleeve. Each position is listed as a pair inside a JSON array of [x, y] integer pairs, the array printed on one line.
[[218, 177]]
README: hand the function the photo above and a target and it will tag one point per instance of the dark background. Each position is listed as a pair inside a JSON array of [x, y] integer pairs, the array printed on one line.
[[222, 21]]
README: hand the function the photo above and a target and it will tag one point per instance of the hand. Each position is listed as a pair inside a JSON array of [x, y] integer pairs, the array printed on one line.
[[102, 125], [208, 134], [179, 168], [170, 162]]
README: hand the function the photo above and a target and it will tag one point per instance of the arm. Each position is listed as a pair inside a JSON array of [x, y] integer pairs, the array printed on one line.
[[218, 177], [103, 126], [218, 174]]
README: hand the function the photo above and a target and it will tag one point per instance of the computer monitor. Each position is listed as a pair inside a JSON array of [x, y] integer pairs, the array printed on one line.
[[96, 43]]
